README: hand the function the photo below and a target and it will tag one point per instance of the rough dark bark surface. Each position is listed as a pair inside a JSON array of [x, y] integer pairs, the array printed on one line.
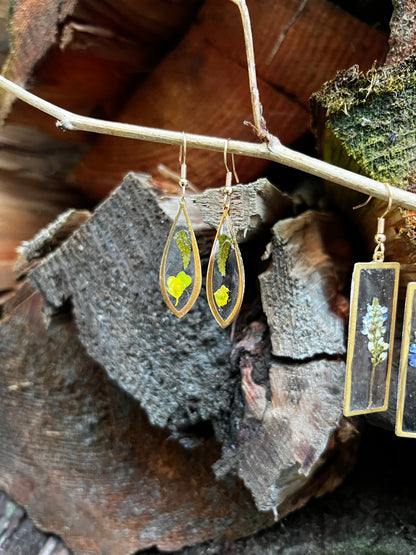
[[254, 207], [109, 270], [373, 513]]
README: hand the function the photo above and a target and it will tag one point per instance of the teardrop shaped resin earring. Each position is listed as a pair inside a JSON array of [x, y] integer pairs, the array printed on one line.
[[180, 275], [371, 330], [225, 274]]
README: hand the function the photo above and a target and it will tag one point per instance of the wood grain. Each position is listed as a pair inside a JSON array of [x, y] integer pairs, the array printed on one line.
[[81, 456], [289, 443], [302, 289]]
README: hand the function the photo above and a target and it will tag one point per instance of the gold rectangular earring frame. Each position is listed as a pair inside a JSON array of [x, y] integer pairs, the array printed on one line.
[[406, 396], [370, 337]]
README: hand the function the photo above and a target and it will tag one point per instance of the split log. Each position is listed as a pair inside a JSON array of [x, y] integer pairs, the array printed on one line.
[[100, 446], [84, 57], [302, 290], [74, 441], [328, 38], [82, 458], [86, 54], [30, 197], [293, 408], [282, 440], [254, 207], [48, 239], [108, 271]]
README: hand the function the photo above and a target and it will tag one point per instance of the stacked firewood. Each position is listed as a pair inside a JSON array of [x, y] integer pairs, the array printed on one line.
[[122, 427]]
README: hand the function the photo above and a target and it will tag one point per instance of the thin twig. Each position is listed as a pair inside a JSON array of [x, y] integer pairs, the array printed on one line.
[[259, 122], [285, 31], [273, 150]]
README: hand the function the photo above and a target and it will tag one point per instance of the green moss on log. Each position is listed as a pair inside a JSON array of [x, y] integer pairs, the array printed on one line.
[[366, 122]]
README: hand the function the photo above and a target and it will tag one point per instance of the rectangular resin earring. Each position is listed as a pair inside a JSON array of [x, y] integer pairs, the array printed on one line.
[[225, 274], [406, 397], [180, 275], [371, 330]]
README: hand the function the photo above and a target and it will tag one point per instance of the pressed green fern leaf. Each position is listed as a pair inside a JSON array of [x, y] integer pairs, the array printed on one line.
[[223, 252], [184, 245]]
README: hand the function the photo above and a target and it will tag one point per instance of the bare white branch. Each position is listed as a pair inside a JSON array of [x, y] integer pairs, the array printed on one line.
[[273, 150]]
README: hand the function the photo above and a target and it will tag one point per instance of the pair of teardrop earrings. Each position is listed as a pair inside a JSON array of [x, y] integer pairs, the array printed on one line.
[[180, 274]]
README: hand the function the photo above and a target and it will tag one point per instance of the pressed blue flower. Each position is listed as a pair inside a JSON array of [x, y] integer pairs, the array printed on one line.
[[374, 329], [412, 352]]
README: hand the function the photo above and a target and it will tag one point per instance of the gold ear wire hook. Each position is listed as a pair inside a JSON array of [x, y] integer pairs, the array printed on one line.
[[182, 150], [380, 237], [183, 182], [387, 210], [225, 155], [370, 197], [234, 170], [228, 179], [232, 161]]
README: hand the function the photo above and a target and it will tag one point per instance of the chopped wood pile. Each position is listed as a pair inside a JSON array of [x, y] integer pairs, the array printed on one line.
[[122, 427]]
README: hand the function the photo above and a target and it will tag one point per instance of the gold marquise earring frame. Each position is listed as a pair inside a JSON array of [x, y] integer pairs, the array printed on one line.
[[183, 182], [225, 218], [374, 291]]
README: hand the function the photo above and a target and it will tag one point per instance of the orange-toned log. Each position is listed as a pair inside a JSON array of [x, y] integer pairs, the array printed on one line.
[[299, 44], [86, 55], [196, 89], [202, 86]]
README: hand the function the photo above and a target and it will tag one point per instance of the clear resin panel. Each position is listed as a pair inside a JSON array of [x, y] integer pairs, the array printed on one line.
[[180, 269], [406, 397], [225, 275], [370, 337]]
